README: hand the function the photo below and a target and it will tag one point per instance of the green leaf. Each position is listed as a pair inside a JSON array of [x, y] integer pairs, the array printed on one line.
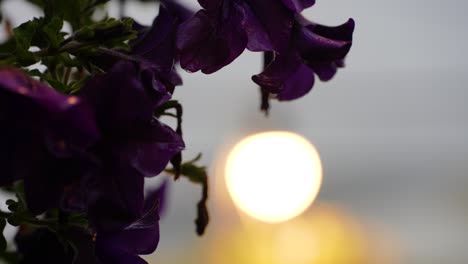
[[52, 32], [166, 106], [194, 173], [47, 33], [76, 85], [57, 85], [8, 47], [23, 35], [111, 33], [19, 189], [77, 12], [35, 73], [76, 219], [12, 205], [10, 257]]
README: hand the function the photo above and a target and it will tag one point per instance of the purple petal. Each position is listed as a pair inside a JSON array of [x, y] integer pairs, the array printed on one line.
[[117, 195], [298, 84], [287, 77], [315, 48], [319, 44], [258, 39], [278, 71], [298, 5], [341, 32], [157, 197], [44, 134], [153, 149], [140, 237], [325, 71], [323, 48], [38, 94], [211, 4], [157, 45], [112, 256], [74, 128], [276, 20], [207, 44], [178, 10], [121, 99]]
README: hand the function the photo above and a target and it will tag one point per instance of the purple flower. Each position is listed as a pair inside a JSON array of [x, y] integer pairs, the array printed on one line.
[[139, 237], [211, 40], [82, 246], [134, 144], [313, 49], [219, 33], [155, 45], [298, 5], [44, 138]]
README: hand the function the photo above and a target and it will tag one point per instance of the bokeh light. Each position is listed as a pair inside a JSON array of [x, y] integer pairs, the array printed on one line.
[[273, 176], [326, 234]]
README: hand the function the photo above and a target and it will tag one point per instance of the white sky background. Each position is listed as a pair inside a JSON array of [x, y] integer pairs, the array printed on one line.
[[391, 127]]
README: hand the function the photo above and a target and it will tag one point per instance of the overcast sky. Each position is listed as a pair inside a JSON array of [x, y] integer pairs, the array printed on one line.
[[391, 127]]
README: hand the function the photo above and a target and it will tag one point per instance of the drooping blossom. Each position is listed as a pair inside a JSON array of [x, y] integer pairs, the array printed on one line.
[[314, 49], [140, 237], [45, 135], [219, 33], [298, 5], [154, 46], [134, 144], [87, 246]]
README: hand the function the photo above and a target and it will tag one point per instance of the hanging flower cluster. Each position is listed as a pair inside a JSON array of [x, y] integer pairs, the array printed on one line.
[[80, 137]]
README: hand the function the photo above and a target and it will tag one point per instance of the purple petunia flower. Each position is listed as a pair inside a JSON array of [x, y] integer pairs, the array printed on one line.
[[155, 45], [298, 5], [210, 39], [219, 33], [313, 49], [134, 144], [81, 246], [140, 237], [44, 138]]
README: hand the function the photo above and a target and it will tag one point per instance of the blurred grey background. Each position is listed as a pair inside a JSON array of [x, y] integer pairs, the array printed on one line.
[[391, 127]]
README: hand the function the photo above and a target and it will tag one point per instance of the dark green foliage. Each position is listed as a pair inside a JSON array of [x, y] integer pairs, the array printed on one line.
[[76, 12]]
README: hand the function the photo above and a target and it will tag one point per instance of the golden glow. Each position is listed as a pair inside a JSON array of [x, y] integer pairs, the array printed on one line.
[[325, 234], [273, 176]]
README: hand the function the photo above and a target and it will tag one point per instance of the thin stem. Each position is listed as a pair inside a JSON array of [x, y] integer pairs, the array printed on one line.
[[115, 53], [268, 57]]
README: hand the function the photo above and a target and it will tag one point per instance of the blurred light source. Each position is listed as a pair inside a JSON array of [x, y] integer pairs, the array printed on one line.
[[326, 234], [273, 176]]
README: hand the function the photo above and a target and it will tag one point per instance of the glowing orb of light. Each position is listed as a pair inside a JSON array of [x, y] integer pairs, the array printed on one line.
[[273, 176]]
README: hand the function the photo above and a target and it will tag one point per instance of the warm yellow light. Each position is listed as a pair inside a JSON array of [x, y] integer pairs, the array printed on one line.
[[273, 176]]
